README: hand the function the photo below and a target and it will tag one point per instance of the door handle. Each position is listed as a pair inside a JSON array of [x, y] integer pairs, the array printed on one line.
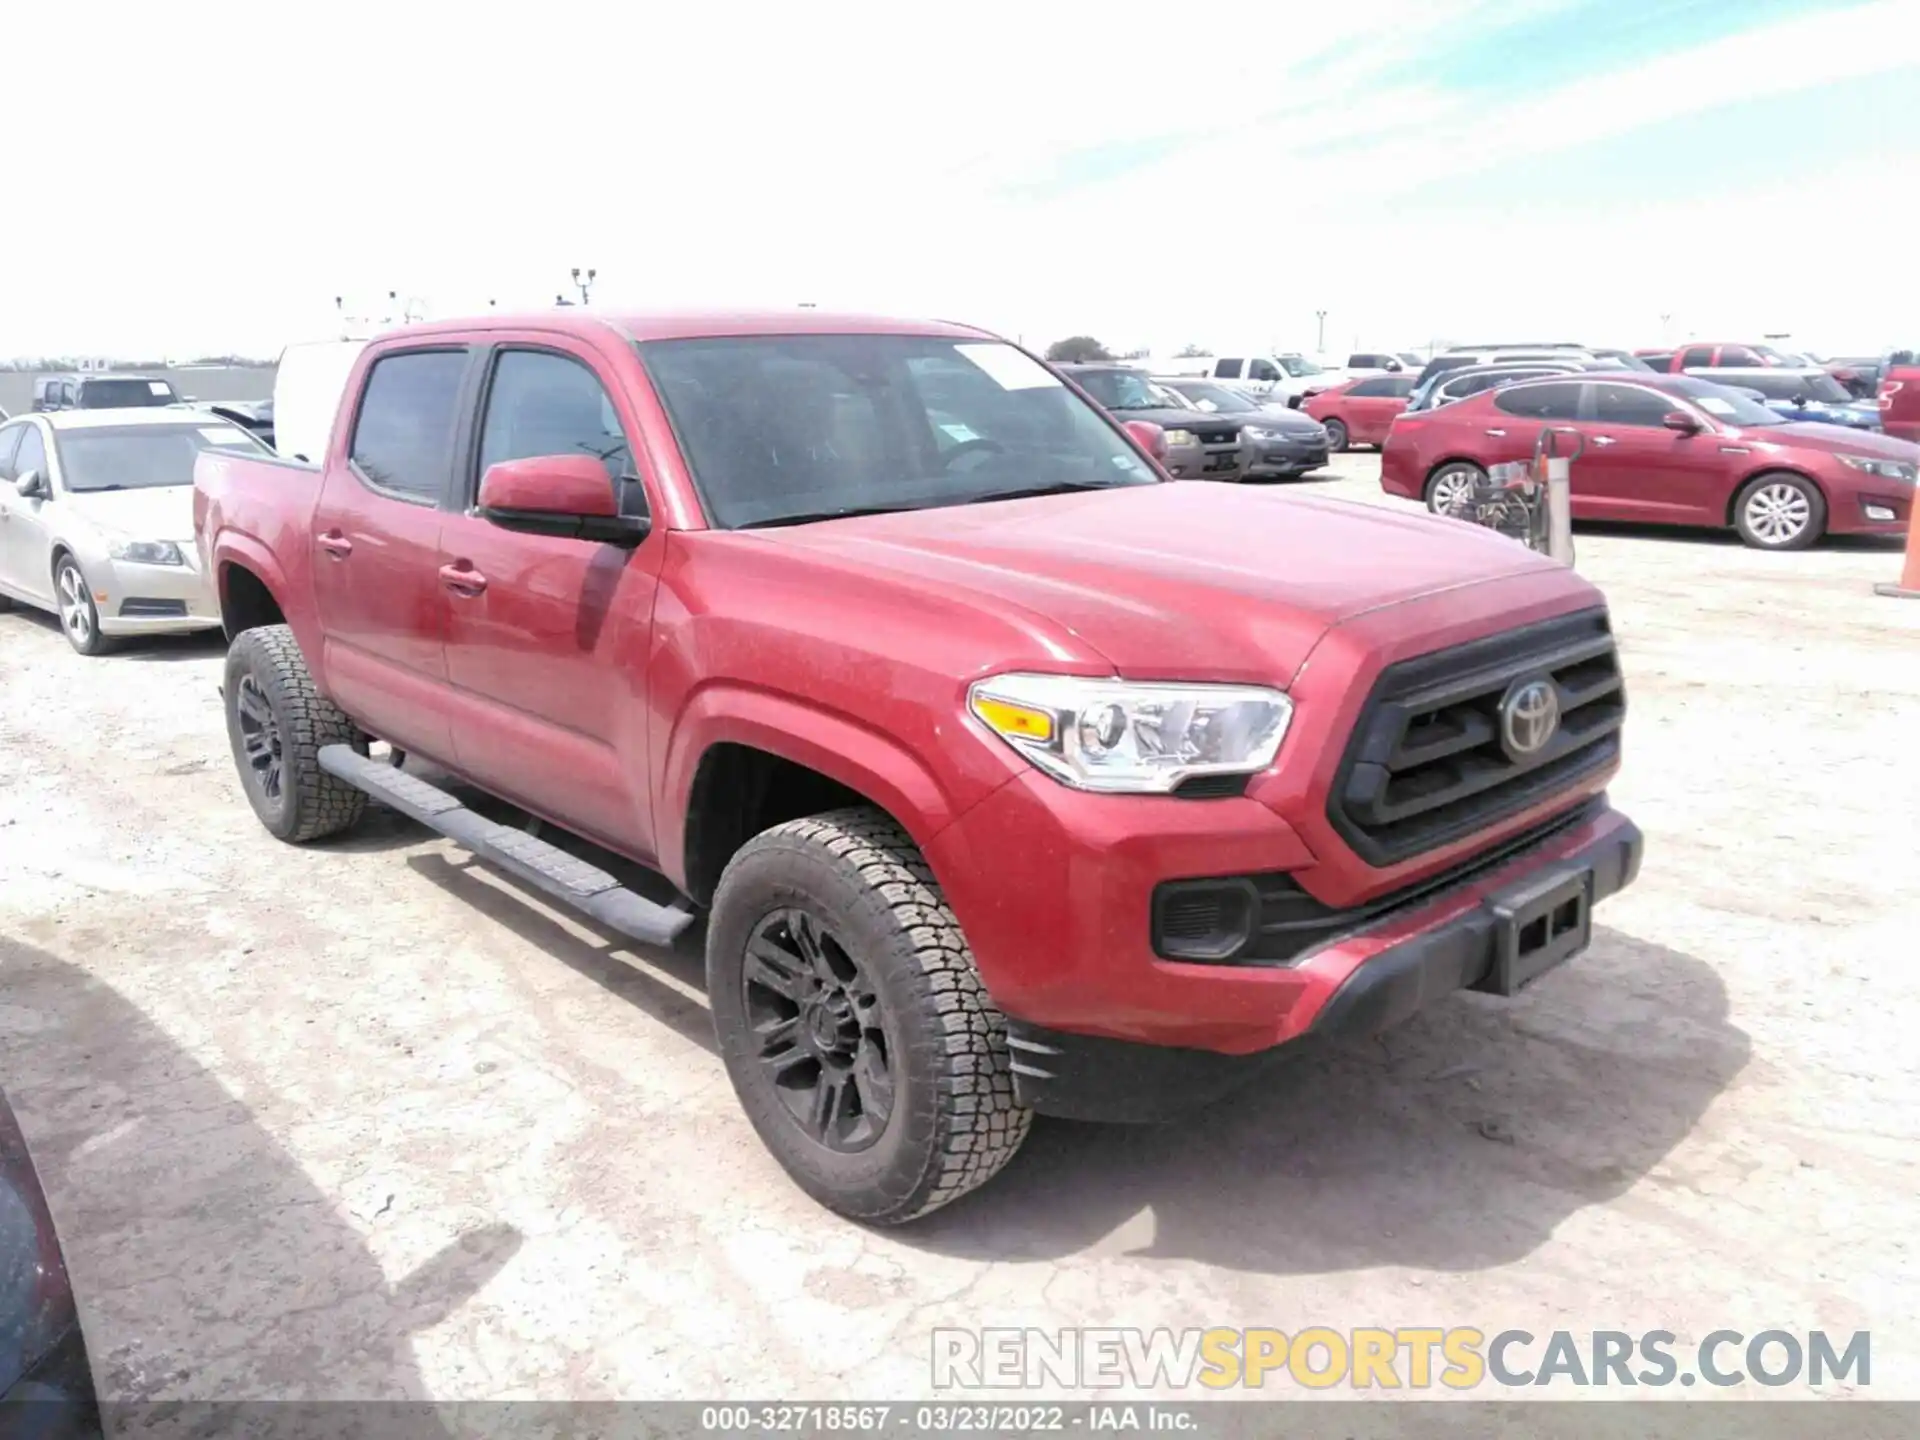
[[1496, 432], [335, 544], [1601, 439], [462, 579]]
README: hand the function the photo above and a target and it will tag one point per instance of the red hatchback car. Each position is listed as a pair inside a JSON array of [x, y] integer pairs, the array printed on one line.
[[1360, 412], [1666, 449]]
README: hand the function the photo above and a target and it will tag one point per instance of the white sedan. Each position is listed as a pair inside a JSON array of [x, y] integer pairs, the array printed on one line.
[[96, 520]]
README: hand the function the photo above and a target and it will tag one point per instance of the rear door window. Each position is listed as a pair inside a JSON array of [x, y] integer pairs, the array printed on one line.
[[403, 435], [1540, 402], [1227, 369], [1368, 388]]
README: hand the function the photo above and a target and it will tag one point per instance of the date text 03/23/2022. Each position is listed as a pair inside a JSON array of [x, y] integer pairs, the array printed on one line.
[[944, 1419]]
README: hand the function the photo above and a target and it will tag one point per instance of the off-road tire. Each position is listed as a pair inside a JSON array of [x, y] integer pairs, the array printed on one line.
[[1771, 482], [311, 804], [954, 1122], [1338, 436]]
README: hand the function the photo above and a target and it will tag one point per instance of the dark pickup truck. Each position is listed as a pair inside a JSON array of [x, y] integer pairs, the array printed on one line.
[[1003, 775]]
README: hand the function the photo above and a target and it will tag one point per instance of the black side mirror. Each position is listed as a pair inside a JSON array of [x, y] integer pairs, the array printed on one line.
[[32, 485]]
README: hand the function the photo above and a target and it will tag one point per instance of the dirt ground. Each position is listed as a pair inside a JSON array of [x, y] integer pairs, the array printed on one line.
[[361, 1120]]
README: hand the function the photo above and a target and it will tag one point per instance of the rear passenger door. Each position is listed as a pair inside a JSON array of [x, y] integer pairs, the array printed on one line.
[[376, 547], [547, 638], [1519, 412]]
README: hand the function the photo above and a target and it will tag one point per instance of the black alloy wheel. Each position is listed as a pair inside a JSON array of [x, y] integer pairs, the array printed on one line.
[[820, 1030]]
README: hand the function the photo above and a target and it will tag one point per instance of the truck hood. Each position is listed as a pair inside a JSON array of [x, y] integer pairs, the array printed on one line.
[[1175, 581], [159, 512]]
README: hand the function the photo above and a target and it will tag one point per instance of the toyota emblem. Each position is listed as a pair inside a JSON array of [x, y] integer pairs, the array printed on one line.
[[1529, 716]]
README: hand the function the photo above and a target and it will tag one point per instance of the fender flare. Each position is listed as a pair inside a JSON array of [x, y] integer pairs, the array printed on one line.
[[233, 548], [836, 745]]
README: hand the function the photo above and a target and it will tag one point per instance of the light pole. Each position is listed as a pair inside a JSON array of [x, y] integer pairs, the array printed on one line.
[[583, 285], [1320, 344], [1663, 327]]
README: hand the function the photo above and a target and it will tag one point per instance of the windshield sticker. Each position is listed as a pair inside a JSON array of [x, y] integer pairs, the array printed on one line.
[[1007, 367], [159, 387], [958, 432]]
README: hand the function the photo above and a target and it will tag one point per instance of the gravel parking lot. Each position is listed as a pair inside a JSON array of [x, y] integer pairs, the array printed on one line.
[[363, 1120]]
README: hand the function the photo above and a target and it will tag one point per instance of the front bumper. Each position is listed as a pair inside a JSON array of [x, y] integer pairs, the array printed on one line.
[[1870, 512], [136, 599], [1207, 462], [1394, 968], [1289, 456], [1078, 957]]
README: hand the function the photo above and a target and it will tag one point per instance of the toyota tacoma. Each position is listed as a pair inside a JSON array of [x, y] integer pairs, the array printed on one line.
[[1000, 775]]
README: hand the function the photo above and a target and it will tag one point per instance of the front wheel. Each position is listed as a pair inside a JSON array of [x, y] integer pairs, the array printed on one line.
[[853, 1024], [277, 721], [79, 616], [1780, 512], [1452, 485], [1337, 437]]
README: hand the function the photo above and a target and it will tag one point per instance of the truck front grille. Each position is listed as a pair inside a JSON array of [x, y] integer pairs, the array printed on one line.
[[1434, 757]]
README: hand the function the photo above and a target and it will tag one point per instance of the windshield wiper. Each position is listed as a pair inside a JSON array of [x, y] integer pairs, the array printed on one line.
[[809, 517], [1064, 487]]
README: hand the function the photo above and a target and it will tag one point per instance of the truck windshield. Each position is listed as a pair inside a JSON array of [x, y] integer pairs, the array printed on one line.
[[783, 429], [124, 394], [135, 457]]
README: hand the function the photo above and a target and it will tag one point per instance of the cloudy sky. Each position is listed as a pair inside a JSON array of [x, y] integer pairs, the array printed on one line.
[[216, 173]]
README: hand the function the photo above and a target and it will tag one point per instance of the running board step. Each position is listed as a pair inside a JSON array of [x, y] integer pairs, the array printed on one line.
[[548, 868]]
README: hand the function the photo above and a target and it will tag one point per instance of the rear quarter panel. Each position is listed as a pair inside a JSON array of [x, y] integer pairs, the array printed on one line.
[[257, 515]]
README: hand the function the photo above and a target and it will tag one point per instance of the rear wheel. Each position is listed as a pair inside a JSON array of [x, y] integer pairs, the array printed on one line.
[[1450, 485], [79, 616], [853, 1024], [1337, 437], [1780, 512], [276, 723]]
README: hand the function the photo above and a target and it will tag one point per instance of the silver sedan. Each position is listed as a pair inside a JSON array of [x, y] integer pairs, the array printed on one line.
[[96, 520]]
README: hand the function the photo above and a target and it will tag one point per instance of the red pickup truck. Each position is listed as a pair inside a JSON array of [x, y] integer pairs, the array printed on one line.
[[1006, 774], [1900, 394]]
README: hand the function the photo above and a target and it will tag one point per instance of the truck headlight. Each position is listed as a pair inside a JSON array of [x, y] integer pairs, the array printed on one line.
[[1181, 437], [1874, 465], [147, 552], [1132, 737]]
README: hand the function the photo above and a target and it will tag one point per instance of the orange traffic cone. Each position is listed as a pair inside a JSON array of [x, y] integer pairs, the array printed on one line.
[[1908, 587]]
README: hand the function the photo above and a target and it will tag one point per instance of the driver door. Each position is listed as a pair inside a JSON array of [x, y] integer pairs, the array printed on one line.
[[26, 559], [548, 638], [1631, 467]]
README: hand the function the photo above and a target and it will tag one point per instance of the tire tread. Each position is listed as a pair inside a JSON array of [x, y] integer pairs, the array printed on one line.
[[979, 1125], [324, 804]]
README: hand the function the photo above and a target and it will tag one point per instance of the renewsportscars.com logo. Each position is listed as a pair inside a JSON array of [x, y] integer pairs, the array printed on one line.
[[1405, 1357]]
